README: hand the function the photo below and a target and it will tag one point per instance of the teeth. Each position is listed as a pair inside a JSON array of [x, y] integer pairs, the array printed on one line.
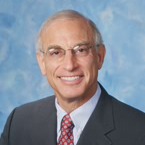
[[70, 78]]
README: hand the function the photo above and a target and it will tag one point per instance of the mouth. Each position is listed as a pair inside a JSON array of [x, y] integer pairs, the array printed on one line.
[[73, 78]]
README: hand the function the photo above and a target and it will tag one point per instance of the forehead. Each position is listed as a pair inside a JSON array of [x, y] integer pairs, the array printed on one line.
[[66, 30], [59, 22]]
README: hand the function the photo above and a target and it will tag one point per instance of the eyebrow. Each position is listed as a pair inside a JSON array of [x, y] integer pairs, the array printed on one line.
[[53, 47], [82, 43], [77, 44]]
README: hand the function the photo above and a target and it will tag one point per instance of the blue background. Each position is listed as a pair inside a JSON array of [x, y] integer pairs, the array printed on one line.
[[122, 24]]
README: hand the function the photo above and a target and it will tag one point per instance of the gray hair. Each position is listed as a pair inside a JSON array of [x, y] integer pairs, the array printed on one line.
[[69, 14]]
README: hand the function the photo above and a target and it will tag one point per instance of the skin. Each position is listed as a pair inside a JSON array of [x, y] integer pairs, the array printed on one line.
[[66, 33]]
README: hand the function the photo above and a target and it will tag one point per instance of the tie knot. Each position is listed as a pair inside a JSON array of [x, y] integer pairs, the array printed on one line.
[[67, 122]]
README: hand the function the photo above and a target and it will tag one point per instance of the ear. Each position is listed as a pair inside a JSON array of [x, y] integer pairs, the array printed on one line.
[[40, 59], [101, 55]]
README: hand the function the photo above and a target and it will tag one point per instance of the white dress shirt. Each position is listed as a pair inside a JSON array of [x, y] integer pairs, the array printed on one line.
[[79, 116]]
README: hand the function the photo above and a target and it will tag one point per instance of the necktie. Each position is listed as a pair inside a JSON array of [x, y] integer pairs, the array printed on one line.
[[66, 136]]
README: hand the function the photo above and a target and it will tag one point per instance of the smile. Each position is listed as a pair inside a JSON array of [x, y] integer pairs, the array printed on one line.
[[70, 78]]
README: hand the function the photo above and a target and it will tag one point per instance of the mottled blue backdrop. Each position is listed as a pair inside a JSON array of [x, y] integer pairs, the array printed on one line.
[[122, 24]]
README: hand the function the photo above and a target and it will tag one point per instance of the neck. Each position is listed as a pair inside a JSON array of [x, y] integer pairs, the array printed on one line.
[[70, 104]]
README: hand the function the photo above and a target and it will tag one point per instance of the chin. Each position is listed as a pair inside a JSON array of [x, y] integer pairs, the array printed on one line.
[[70, 95]]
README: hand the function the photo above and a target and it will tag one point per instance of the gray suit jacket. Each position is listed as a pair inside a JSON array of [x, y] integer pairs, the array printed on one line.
[[111, 123]]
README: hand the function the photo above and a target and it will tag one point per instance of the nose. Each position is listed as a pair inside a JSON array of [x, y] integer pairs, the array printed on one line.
[[69, 61]]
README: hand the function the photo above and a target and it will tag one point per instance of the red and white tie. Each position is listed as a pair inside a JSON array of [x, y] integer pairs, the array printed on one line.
[[66, 136]]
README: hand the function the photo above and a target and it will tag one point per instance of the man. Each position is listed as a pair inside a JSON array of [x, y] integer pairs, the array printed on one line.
[[70, 53]]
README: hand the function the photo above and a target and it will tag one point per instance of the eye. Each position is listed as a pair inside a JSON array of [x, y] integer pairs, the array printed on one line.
[[55, 51], [81, 50]]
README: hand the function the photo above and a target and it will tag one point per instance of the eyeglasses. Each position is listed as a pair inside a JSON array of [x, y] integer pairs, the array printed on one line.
[[58, 53]]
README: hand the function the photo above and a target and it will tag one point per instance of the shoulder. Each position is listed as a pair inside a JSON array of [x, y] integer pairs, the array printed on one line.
[[26, 118], [123, 110], [38, 103], [35, 108], [128, 120], [125, 117]]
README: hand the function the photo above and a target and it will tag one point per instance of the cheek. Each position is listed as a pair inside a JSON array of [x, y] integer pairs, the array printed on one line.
[[51, 69], [91, 69], [94, 71]]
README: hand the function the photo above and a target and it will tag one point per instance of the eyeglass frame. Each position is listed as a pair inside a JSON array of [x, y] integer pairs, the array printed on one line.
[[72, 49]]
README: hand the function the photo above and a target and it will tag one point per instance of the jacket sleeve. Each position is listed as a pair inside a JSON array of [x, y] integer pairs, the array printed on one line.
[[4, 139]]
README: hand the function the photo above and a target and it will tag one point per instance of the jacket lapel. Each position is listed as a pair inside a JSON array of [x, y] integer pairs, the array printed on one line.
[[45, 123], [99, 124]]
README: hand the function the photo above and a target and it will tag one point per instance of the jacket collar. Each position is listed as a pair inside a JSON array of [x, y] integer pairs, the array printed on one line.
[[100, 123]]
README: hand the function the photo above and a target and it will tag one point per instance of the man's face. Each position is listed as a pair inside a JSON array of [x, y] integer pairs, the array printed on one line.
[[72, 77]]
